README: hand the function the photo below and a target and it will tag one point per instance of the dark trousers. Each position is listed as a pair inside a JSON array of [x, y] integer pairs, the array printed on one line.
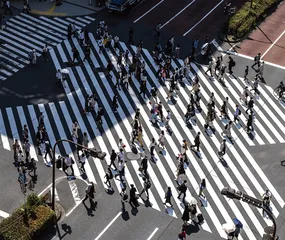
[[184, 195], [196, 145], [90, 200], [48, 153], [152, 151], [210, 70], [146, 192], [27, 155]]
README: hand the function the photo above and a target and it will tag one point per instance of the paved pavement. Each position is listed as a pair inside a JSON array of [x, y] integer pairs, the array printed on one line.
[[246, 165], [267, 39]]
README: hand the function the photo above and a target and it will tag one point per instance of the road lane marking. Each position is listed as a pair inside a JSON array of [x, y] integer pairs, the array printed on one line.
[[151, 235], [4, 214], [272, 44], [177, 14], [202, 19], [106, 228], [3, 134], [148, 11]]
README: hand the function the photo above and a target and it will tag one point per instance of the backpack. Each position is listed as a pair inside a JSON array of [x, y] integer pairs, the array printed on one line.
[[125, 197], [239, 112], [148, 184], [234, 63]]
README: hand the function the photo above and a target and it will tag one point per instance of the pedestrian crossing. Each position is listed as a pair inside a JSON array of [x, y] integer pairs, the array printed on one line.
[[239, 169], [24, 33]]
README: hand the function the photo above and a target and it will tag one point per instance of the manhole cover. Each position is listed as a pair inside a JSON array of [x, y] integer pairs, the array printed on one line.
[[133, 156]]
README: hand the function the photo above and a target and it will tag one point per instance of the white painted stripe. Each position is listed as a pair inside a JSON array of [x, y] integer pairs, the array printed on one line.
[[3, 133], [75, 192], [55, 194], [48, 128], [62, 135], [158, 163], [23, 120], [53, 22], [69, 122], [66, 22], [13, 126], [271, 102], [220, 101], [90, 18], [214, 42], [17, 51], [44, 28], [148, 11], [9, 67], [35, 125], [35, 31], [9, 53], [32, 46], [13, 62], [25, 36], [76, 22], [62, 55], [151, 196], [106, 228], [90, 119], [152, 234], [178, 13], [69, 49], [202, 18], [271, 114], [38, 21], [204, 159], [257, 111], [2, 78], [229, 160], [272, 45], [6, 72], [4, 214], [83, 20], [29, 33]]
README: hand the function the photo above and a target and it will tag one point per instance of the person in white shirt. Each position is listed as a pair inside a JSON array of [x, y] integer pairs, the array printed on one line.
[[27, 148], [121, 156], [82, 160], [34, 60], [68, 164]]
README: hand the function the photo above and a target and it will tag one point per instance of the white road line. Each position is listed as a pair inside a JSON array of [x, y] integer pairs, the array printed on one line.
[[13, 126], [148, 11], [202, 19], [83, 20], [151, 235], [76, 22], [74, 191], [66, 22], [53, 22], [106, 228], [69, 122], [90, 18], [23, 120], [177, 14], [272, 44], [55, 194], [4, 214], [60, 50], [13, 62], [3, 133]]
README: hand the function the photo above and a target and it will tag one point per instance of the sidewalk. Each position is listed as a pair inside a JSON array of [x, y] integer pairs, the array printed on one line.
[[67, 8]]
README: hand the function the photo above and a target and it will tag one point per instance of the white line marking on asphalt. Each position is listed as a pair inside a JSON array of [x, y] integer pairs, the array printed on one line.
[[106, 228], [202, 19], [272, 44], [4, 214], [148, 11], [177, 14], [3, 134], [151, 235]]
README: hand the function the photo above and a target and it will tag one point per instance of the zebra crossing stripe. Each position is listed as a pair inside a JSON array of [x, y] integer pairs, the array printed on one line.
[[59, 25], [60, 50], [69, 122], [23, 121], [13, 125], [9, 53], [90, 18], [76, 22], [34, 31], [3, 133], [83, 20], [66, 22], [75, 192], [13, 62]]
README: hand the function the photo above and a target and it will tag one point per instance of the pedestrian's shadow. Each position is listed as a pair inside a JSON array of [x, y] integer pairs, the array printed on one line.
[[110, 191], [192, 228], [125, 215], [224, 162], [91, 209], [67, 230], [134, 211], [146, 202]]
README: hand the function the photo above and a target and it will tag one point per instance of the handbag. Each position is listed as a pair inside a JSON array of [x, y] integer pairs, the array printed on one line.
[[140, 169]]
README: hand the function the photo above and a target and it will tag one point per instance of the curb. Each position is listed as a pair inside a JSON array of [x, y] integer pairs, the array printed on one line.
[[59, 212]]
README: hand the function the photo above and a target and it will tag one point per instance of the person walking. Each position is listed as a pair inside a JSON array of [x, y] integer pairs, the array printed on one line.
[[157, 31], [161, 140], [168, 196], [217, 65], [197, 142], [133, 197], [223, 148], [250, 105], [260, 70], [227, 130], [143, 87], [146, 187], [140, 137], [131, 35], [185, 216], [121, 170], [210, 67], [249, 124], [144, 165], [89, 193], [68, 162], [8, 7], [255, 84], [85, 140], [109, 176], [256, 60], [124, 198], [82, 160], [45, 53], [246, 74], [182, 190], [34, 57], [231, 64], [75, 55], [202, 187], [152, 148], [48, 150], [33, 167], [113, 157], [27, 148], [237, 113]]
